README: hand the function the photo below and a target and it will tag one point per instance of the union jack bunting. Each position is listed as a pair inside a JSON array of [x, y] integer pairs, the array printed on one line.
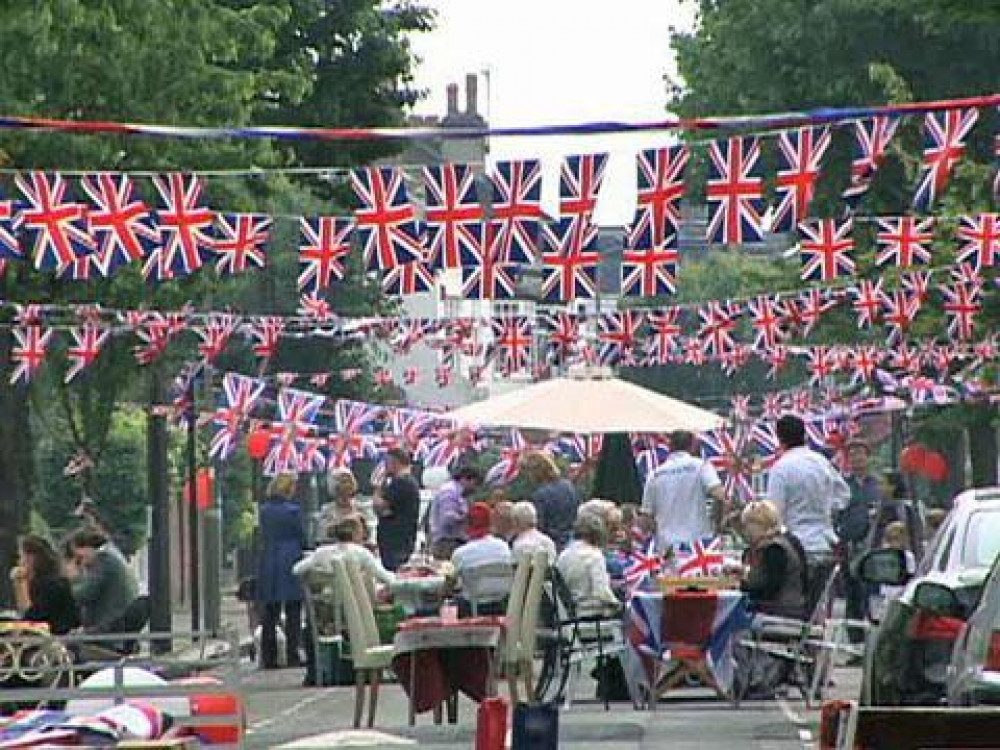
[[10, 227], [492, 279], [981, 237], [821, 364], [825, 246], [693, 352], [864, 361], [641, 567], [800, 154], [53, 226], [965, 273], [562, 336], [765, 436], [872, 136], [459, 338], [649, 272], [728, 453], [905, 358], [945, 134], [769, 315], [266, 333], [409, 333], [512, 343], [447, 446], [386, 222], [315, 308], [700, 559], [408, 278], [215, 335], [84, 268], [186, 228], [718, 324], [290, 443], [325, 244], [579, 183], [777, 360], [581, 449], [941, 357], [516, 210], [453, 217], [900, 310], [801, 402], [83, 352], [917, 282], [570, 261], [868, 301], [924, 390], [410, 427], [618, 335], [120, 223], [444, 375], [740, 408], [735, 359], [904, 241], [355, 439], [772, 406], [808, 309], [241, 242], [648, 459], [961, 305], [31, 345], [508, 467], [735, 192], [660, 189], [239, 396], [664, 334], [155, 330]]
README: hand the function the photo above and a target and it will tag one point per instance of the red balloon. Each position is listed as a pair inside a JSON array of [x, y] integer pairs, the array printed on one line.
[[935, 467], [259, 443], [913, 457]]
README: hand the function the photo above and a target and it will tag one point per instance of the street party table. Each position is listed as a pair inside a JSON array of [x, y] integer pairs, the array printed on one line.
[[450, 655], [682, 632]]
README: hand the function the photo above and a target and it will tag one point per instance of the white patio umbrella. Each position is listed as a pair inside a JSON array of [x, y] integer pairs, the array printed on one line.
[[587, 402]]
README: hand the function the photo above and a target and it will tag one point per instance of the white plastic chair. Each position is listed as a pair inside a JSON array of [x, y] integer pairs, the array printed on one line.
[[485, 583]]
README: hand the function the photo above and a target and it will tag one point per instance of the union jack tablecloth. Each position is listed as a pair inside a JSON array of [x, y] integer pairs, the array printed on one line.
[[682, 625]]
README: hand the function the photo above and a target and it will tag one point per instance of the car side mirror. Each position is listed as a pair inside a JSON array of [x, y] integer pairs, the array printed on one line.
[[937, 599], [884, 566]]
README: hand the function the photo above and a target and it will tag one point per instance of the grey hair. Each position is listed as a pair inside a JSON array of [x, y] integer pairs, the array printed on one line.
[[590, 528], [524, 514]]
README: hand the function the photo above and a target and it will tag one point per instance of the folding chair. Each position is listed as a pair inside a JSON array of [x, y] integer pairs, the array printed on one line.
[[324, 612]]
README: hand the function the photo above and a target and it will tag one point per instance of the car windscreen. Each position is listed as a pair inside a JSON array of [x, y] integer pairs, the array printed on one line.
[[982, 539]]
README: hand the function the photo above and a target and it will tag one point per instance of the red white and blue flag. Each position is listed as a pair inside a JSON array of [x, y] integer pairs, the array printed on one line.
[[808, 309], [649, 272], [325, 245], [292, 442], [718, 325], [513, 341], [945, 135], [28, 353], [410, 427], [825, 246], [239, 396], [241, 242], [581, 449], [10, 228], [54, 227], [215, 335], [579, 183], [266, 333], [727, 452], [562, 336], [961, 304], [618, 336], [516, 210], [980, 236], [88, 340], [769, 315], [570, 260], [869, 299], [660, 189], [800, 154], [186, 228], [493, 278], [408, 278], [701, 558], [821, 363], [900, 308], [904, 241], [735, 192], [641, 567], [386, 222], [650, 457], [453, 217], [508, 467], [872, 136], [664, 334], [119, 221]]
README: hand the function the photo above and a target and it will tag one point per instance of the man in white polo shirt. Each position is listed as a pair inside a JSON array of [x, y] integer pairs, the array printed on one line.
[[678, 493]]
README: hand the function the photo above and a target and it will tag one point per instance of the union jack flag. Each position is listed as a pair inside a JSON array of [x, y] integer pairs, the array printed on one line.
[[769, 314], [618, 335], [409, 333], [801, 155], [871, 143], [186, 228], [239, 396], [868, 301], [660, 189], [650, 458], [444, 375], [517, 210], [508, 467], [54, 226], [740, 408], [735, 359], [772, 407], [562, 336], [407, 279], [981, 235], [155, 330], [917, 282], [28, 353], [865, 360], [579, 183], [10, 227], [492, 279], [571, 259], [641, 566], [411, 427], [702, 558], [84, 268], [315, 308], [694, 352], [387, 222], [718, 323], [119, 222], [901, 308], [292, 440], [512, 341], [905, 241], [809, 308], [945, 134], [453, 217], [664, 333], [904, 357], [447, 446], [354, 439], [581, 449], [326, 242], [777, 359], [825, 246], [821, 364], [728, 453], [266, 333], [735, 192], [941, 358], [82, 353], [961, 305], [765, 436], [241, 242], [215, 335], [649, 272], [924, 390]]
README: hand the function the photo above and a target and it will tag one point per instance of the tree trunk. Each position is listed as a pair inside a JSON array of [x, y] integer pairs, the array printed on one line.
[[983, 445], [15, 468]]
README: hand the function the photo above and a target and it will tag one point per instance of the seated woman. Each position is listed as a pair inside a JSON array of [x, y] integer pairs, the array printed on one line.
[[104, 586], [774, 565], [583, 567], [41, 591]]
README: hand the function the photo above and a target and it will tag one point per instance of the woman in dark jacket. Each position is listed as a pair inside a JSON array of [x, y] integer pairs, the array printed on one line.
[[554, 498], [774, 574], [282, 536], [42, 592]]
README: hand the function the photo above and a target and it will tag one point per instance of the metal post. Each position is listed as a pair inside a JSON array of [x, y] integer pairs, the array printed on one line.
[[160, 619], [193, 520]]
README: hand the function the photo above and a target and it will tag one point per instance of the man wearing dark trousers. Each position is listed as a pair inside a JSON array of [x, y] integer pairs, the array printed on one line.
[[853, 526], [397, 504]]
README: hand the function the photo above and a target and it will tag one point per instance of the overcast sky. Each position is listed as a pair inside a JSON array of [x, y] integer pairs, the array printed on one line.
[[559, 62]]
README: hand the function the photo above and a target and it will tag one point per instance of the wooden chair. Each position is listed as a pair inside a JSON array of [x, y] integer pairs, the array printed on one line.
[[509, 653], [529, 619], [366, 652]]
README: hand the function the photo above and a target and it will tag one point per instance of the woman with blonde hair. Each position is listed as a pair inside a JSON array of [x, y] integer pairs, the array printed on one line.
[[282, 537], [774, 566], [554, 498], [342, 488]]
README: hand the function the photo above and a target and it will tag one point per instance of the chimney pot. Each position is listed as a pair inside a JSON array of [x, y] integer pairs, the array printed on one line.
[[452, 98], [471, 94]]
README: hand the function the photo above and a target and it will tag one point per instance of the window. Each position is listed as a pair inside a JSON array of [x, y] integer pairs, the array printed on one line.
[[982, 539]]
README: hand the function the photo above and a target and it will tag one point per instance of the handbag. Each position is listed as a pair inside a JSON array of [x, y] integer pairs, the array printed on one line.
[[536, 727]]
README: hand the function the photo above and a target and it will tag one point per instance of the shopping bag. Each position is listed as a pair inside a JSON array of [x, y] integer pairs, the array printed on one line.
[[536, 727]]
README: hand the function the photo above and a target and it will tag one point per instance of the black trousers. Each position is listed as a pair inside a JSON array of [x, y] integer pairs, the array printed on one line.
[[856, 596], [269, 633], [819, 570]]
